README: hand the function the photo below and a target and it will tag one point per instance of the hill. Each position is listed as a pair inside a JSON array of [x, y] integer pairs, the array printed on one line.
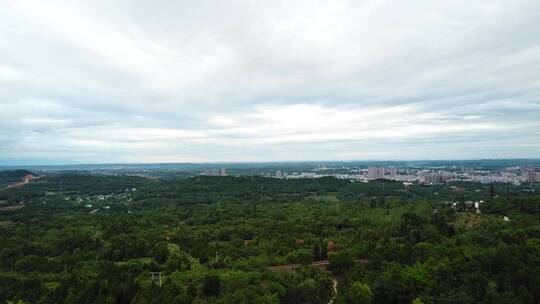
[[12, 176]]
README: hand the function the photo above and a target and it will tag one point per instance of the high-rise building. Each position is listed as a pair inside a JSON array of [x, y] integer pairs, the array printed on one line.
[[432, 177], [223, 172], [376, 172], [372, 172], [392, 171], [380, 172], [530, 175], [211, 172]]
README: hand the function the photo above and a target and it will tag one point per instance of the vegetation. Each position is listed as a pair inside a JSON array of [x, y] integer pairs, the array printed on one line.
[[97, 239], [12, 176]]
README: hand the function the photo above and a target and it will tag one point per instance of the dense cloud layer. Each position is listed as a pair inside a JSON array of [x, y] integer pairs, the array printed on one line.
[[174, 81]]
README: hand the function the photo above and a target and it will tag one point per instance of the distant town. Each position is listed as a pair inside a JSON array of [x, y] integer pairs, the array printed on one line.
[[516, 175], [511, 171]]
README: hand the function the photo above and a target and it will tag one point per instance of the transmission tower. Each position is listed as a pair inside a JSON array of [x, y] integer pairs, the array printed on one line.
[[156, 275]]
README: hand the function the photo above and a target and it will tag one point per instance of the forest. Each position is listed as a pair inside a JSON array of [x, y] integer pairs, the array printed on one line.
[[91, 238]]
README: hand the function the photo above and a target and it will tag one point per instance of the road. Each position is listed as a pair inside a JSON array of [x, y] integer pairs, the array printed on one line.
[[18, 184], [334, 288], [318, 264]]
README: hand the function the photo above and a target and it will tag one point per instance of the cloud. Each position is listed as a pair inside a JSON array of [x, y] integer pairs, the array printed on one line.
[[132, 81]]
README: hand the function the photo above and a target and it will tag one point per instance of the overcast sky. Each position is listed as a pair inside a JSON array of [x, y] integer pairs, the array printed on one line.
[[209, 81]]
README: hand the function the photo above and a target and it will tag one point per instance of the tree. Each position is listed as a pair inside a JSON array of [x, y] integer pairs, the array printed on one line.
[[177, 262], [491, 191], [301, 256], [417, 301], [320, 251], [308, 285], [360, 293], [211, 285], [340, 262], [160, 252]]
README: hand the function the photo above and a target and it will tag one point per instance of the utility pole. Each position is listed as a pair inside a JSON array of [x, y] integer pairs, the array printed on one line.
[[153, 276], [260, 192], [536, 209]]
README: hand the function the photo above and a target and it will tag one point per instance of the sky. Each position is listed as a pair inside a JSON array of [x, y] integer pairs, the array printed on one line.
[[108, 81]]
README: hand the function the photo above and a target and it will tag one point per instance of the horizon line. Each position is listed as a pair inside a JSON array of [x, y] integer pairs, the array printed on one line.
[[267, 162]]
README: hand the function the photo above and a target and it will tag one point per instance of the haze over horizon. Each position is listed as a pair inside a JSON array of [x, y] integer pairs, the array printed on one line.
[[526, 162], [209, 81]]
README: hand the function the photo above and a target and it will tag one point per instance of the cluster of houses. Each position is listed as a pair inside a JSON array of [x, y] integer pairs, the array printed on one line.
[[474, 205]]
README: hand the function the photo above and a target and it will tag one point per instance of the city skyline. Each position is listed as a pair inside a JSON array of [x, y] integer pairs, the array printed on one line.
[[208, 82]]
